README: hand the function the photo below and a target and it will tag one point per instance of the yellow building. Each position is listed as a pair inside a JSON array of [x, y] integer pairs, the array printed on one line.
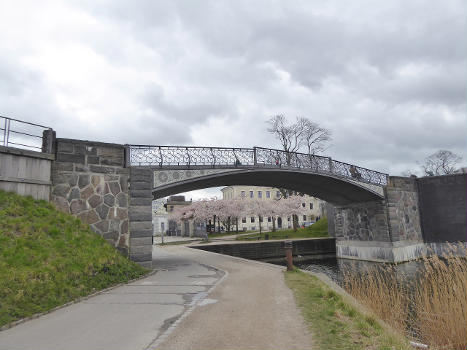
[[312, 206]]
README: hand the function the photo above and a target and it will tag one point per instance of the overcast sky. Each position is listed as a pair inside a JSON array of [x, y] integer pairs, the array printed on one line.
[[388, 78]]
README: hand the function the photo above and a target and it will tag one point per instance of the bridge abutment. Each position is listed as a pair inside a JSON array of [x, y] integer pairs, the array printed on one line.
[[399, 227], [90, 181]]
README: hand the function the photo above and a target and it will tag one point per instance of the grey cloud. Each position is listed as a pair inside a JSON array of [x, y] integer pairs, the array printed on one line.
[[216, 63]]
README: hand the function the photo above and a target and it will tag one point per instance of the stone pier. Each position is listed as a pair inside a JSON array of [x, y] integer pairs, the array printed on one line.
[[414, 217]]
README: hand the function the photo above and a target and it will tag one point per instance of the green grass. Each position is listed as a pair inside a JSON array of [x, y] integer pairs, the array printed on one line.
[[223, 234], [334, 323], [319, 229], [48, 258]]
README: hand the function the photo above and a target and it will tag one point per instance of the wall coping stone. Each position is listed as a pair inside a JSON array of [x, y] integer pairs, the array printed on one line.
[[91, 143], [26, 153]]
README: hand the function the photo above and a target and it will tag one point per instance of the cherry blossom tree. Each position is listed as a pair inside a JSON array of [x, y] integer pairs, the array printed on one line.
[[259, 207], [292, 205], [235, 209], [276, 209]]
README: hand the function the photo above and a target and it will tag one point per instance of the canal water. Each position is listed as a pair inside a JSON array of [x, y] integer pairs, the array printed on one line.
[[337, 269]]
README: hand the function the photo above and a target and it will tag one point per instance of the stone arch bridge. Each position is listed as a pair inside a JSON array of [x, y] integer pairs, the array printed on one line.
[[111, 187]]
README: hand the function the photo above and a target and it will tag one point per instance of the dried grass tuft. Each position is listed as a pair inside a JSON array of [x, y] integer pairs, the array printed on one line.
[[430, 309]]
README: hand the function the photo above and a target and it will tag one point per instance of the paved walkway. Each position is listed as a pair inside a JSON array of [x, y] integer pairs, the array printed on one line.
[[187, 304]]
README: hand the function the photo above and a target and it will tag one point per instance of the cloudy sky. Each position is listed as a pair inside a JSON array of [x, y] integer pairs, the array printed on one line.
[[388, 78]]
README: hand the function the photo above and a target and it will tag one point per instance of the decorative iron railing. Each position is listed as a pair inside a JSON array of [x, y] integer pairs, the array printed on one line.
[[173, 157], [21, 134]]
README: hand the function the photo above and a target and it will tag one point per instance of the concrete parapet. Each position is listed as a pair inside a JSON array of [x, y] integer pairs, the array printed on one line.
[[25, 172]]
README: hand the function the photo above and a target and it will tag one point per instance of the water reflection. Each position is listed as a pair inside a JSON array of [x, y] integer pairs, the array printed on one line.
[[337, 269]]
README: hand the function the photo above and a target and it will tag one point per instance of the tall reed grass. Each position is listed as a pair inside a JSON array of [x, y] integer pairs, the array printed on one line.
[[430, 309]]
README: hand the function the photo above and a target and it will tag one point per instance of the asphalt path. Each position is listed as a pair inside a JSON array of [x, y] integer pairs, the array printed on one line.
[[195, 300]]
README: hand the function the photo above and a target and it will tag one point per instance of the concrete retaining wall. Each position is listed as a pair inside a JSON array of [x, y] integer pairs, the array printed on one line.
[[442, 206], [273, 249], [26, 172]]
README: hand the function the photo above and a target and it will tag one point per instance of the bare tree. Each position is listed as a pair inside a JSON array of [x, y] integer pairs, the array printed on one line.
[[441, 163], [304, 133], [289, 135], [313, 137]]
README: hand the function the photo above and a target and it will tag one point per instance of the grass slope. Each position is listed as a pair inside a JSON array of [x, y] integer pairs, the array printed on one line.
[[48, 258], [334, 323], [319, 229]]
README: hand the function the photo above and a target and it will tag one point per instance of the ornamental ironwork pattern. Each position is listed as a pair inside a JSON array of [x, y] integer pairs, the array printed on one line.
[[179, 157], [167, 177]]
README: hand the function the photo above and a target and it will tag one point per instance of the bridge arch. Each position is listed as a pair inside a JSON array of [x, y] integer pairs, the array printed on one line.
[[330, 188]]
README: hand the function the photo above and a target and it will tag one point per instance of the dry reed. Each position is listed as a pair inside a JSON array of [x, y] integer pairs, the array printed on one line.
[[430, 308]]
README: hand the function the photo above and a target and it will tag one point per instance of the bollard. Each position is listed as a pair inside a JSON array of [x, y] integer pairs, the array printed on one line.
[[288, 255]]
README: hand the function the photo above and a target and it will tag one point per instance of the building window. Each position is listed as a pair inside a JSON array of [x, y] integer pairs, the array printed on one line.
[[268, 194], [260, 194], [251, 194], [288, 218], [269, 219], [253, 228], [243, 220], [278, 194], [303, 205], [304, 217], [242, 194], [311, 205], [252, 219]]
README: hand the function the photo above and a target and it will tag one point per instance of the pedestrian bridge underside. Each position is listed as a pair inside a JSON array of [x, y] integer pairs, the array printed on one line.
[[327, 187]]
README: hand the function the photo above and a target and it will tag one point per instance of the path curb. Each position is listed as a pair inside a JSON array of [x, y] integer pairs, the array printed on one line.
[[74, 301]]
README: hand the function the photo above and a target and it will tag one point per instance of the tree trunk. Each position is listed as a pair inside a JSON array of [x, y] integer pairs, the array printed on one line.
[[236, 223], [228, 224], [294, 222], [273, 224], [218, 225], [259, 222]]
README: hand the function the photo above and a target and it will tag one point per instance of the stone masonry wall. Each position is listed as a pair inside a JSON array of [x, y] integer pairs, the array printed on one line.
[[362, 222], [403, 209], [90, 181]]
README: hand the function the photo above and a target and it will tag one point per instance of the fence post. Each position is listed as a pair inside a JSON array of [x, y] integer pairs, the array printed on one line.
[[49, 137], [255, 160], [6, 132], [288, 255], [127, 155]]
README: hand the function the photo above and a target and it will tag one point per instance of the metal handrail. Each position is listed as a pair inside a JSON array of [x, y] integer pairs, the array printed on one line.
[[27, 135], [183, 157]]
